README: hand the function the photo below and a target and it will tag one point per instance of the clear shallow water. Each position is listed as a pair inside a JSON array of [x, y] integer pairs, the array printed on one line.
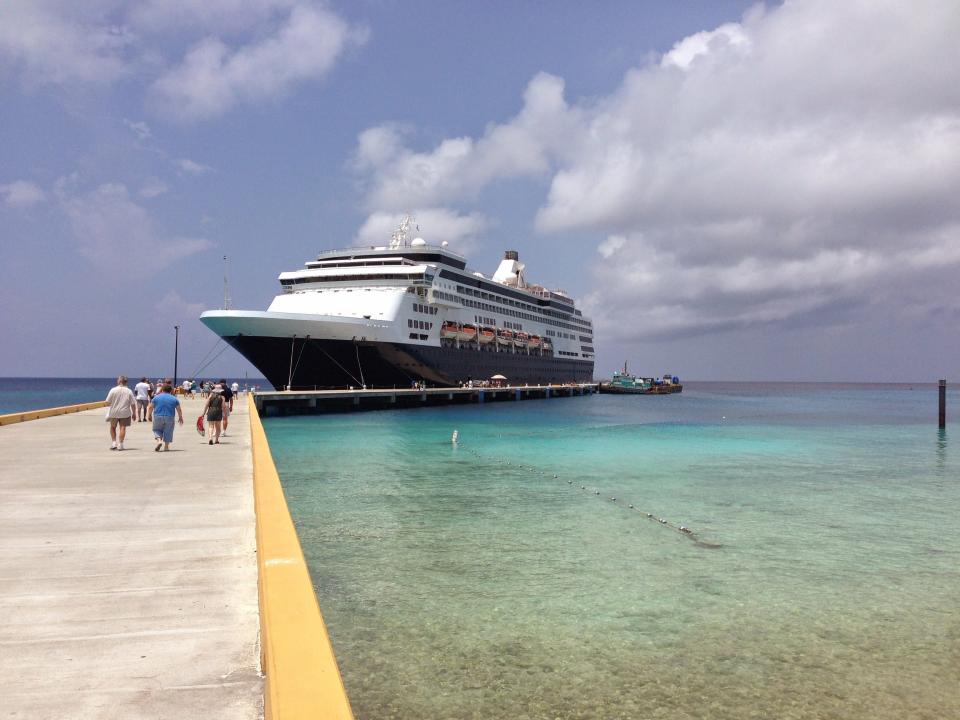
[[458, 586]]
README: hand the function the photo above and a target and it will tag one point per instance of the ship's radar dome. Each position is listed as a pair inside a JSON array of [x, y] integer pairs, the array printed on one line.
[[419, 242]]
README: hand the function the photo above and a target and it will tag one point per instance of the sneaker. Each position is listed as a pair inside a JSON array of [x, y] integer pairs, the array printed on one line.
[[120, 446], [159, 445], [113, 447], [210, 442]]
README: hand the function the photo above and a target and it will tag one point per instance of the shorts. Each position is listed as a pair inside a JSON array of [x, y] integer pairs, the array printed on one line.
[[163, 427], [142, 403], [122, 422]]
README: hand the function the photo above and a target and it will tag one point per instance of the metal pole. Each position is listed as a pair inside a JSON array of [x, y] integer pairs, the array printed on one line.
[[293, 341], [176, 348], [943, 404]]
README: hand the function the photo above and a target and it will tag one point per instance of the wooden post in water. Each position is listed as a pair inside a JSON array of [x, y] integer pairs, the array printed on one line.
[[943, 404]]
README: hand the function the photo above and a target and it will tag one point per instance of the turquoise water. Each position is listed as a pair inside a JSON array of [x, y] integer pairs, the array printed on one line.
[[23, 393], [456, 585]]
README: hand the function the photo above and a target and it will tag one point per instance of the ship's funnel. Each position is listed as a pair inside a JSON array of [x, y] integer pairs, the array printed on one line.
[[511, 269]]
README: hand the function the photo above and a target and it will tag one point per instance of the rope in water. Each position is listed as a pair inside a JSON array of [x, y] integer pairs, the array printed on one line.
[[630, 507]]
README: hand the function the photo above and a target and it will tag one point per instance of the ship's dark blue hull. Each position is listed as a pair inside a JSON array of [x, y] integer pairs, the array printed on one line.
[[309, 364]]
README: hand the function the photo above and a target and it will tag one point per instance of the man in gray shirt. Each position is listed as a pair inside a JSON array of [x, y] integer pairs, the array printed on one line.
[[122, 407]]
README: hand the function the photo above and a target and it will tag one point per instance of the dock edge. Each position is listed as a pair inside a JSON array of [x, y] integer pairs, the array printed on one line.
[[302, 676], [19, 417]]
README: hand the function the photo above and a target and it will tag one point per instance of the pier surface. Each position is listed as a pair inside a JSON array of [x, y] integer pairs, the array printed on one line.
[[310, 401], [128, 580]]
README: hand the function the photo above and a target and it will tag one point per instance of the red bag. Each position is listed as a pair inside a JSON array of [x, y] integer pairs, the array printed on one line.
[[200, 428]]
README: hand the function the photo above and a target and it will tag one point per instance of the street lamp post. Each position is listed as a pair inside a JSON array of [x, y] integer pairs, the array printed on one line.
[[176, 347]]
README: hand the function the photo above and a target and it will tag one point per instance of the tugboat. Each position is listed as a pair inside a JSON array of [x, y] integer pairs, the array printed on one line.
[[623, 383]]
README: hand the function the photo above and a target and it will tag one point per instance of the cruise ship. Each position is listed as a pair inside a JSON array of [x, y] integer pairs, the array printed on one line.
[[407, 313]]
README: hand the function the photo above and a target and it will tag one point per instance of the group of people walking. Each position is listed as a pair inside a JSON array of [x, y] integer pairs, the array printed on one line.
[[158, 404]]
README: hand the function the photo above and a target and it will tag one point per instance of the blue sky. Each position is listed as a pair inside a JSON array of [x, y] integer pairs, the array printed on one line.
[[731, 190]]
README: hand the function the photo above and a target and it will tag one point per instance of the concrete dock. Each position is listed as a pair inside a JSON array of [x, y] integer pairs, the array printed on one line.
[[128, 580], [299, 402]]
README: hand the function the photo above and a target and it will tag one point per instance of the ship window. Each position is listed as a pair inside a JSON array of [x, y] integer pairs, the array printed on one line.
[[413, 336]]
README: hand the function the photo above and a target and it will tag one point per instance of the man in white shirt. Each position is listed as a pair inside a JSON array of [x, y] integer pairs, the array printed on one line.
[[122, 406], [235, 388], [142, 392]]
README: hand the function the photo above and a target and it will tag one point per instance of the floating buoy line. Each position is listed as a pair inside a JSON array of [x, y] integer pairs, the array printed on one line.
[[596, 492]]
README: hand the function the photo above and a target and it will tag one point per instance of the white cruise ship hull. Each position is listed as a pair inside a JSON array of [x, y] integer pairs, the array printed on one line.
[[307, 351]]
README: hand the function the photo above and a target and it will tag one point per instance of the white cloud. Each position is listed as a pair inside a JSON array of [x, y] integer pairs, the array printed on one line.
[[214, 77], [191, 167], [609, 247], [173, 308], [239, 51], [113, 232], [140, 129], [21, 193], [769, 171], [458, 168], [153, 187], [706, 45], [61, 42], [437, 225]]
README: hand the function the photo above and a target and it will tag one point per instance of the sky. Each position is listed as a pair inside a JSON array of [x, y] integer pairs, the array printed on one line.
[[731, 190]]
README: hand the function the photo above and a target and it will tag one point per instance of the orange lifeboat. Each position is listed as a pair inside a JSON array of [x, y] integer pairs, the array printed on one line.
[[521, 339], [449, 330], [534, 341], [487, 335], [467, 333], [505, 337]]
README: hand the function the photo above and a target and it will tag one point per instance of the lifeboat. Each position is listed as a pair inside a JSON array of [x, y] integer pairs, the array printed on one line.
[[546, 345], [487, 335], [521, 339], [534, 342], [505, 337], [467, 333], [449, 330]]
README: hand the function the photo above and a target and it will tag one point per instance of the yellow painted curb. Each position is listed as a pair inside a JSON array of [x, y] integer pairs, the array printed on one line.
[[302, 677], [49, 412]]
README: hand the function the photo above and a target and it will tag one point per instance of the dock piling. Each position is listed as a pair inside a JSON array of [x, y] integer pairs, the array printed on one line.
[[943, 404]]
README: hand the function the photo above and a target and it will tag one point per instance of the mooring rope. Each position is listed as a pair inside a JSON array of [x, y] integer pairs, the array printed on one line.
[[334, 361], [596, 492], [197, 371], [211, 360]]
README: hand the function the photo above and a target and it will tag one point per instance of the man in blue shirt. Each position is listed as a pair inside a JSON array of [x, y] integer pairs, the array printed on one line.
[[161, 410]]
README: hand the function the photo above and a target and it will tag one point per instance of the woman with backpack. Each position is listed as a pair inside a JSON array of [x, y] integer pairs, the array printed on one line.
[[213, 409]]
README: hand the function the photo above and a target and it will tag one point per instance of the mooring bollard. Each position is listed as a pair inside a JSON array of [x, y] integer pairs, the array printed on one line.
[[943, 404]]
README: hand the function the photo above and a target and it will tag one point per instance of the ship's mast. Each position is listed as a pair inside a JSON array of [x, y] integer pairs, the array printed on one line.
[[226, 286], [399, 236]]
